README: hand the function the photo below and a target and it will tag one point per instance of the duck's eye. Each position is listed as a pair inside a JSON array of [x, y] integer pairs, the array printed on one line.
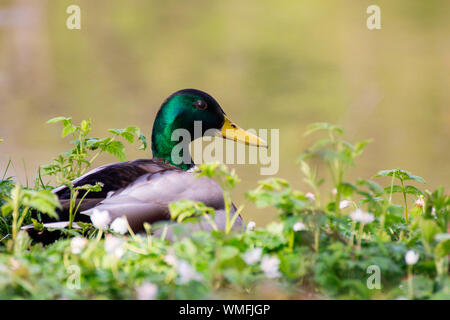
[[200, 105]]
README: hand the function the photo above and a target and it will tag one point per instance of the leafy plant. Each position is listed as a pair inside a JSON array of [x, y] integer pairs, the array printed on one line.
[[401, 175], [73, 163], [21, 200]]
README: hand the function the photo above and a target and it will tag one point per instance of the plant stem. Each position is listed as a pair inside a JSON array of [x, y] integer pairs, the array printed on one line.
[[352, 234], [291, 240], [73, 197], [361, 227], [316, 239], [410, 282], [404, 199], [392, 188], [226, 198]]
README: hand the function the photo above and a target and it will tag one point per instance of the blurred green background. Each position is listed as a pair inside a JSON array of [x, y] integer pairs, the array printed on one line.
[[270, 64]]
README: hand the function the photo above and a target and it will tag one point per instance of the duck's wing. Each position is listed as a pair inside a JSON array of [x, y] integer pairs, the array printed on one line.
[[114, 176], [148, 197]]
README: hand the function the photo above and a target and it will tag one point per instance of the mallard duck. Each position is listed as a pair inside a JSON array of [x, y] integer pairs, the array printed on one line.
[[142, 189]]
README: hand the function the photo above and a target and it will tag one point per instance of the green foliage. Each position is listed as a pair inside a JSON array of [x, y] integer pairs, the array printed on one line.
[[401, 175], [324, 243], [17, 205], [73, 163], [184, 209]]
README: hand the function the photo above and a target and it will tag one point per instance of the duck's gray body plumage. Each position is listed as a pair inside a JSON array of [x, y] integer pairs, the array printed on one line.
[[142, 190]]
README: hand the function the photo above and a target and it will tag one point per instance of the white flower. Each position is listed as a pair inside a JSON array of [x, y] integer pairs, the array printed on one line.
[[252, 256], [114, 245], [311, 197], [251, 225], [100, 219], [360, 216], [171, 259], [270, 266], [187, 272], [147, 291], [433, 212], [77, 244], [298, 226], [344, 204], [120, 225], [411, 257], [334, 192], [420, 202]]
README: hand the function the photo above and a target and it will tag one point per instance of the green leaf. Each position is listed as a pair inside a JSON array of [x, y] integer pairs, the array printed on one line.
[[346, 189], [320, 144], [69, 129], [143, 140], [58, 119], [94, 143], [183, 209], [442, 249], [360, 146], [37, 225], [92, 188], [372, 185], [400, 174], [274, 184], [429, 229], [43, 201], [395, 209], [413, 190], [417, 178], [128, 136], [115, 131], [7, 209], [85, 127], [393, 189], [116, 148], [323, 126]]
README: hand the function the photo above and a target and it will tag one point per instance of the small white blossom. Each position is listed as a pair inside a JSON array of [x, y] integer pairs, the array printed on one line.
[[344, 204], [270, 266], [120, 225], [187, 272], [147, 291], [420, 202], [363, 217], [251, 225], [100, 219], [411, 257], [114, 245], [334, 192], [171, 259], [311, 197], [433, 212], [77, 244], [252, 256], [298, 226]]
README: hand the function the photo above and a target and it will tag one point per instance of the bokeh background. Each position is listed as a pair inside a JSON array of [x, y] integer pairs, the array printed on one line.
[[271, 64]]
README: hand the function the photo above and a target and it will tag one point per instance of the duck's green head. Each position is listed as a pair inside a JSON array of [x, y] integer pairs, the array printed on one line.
[[198, 114]]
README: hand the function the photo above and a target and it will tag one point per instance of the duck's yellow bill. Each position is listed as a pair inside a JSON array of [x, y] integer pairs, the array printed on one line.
[[231, 131]]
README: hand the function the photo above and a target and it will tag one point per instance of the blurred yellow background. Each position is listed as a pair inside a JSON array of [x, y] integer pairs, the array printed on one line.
[[270, 64]]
